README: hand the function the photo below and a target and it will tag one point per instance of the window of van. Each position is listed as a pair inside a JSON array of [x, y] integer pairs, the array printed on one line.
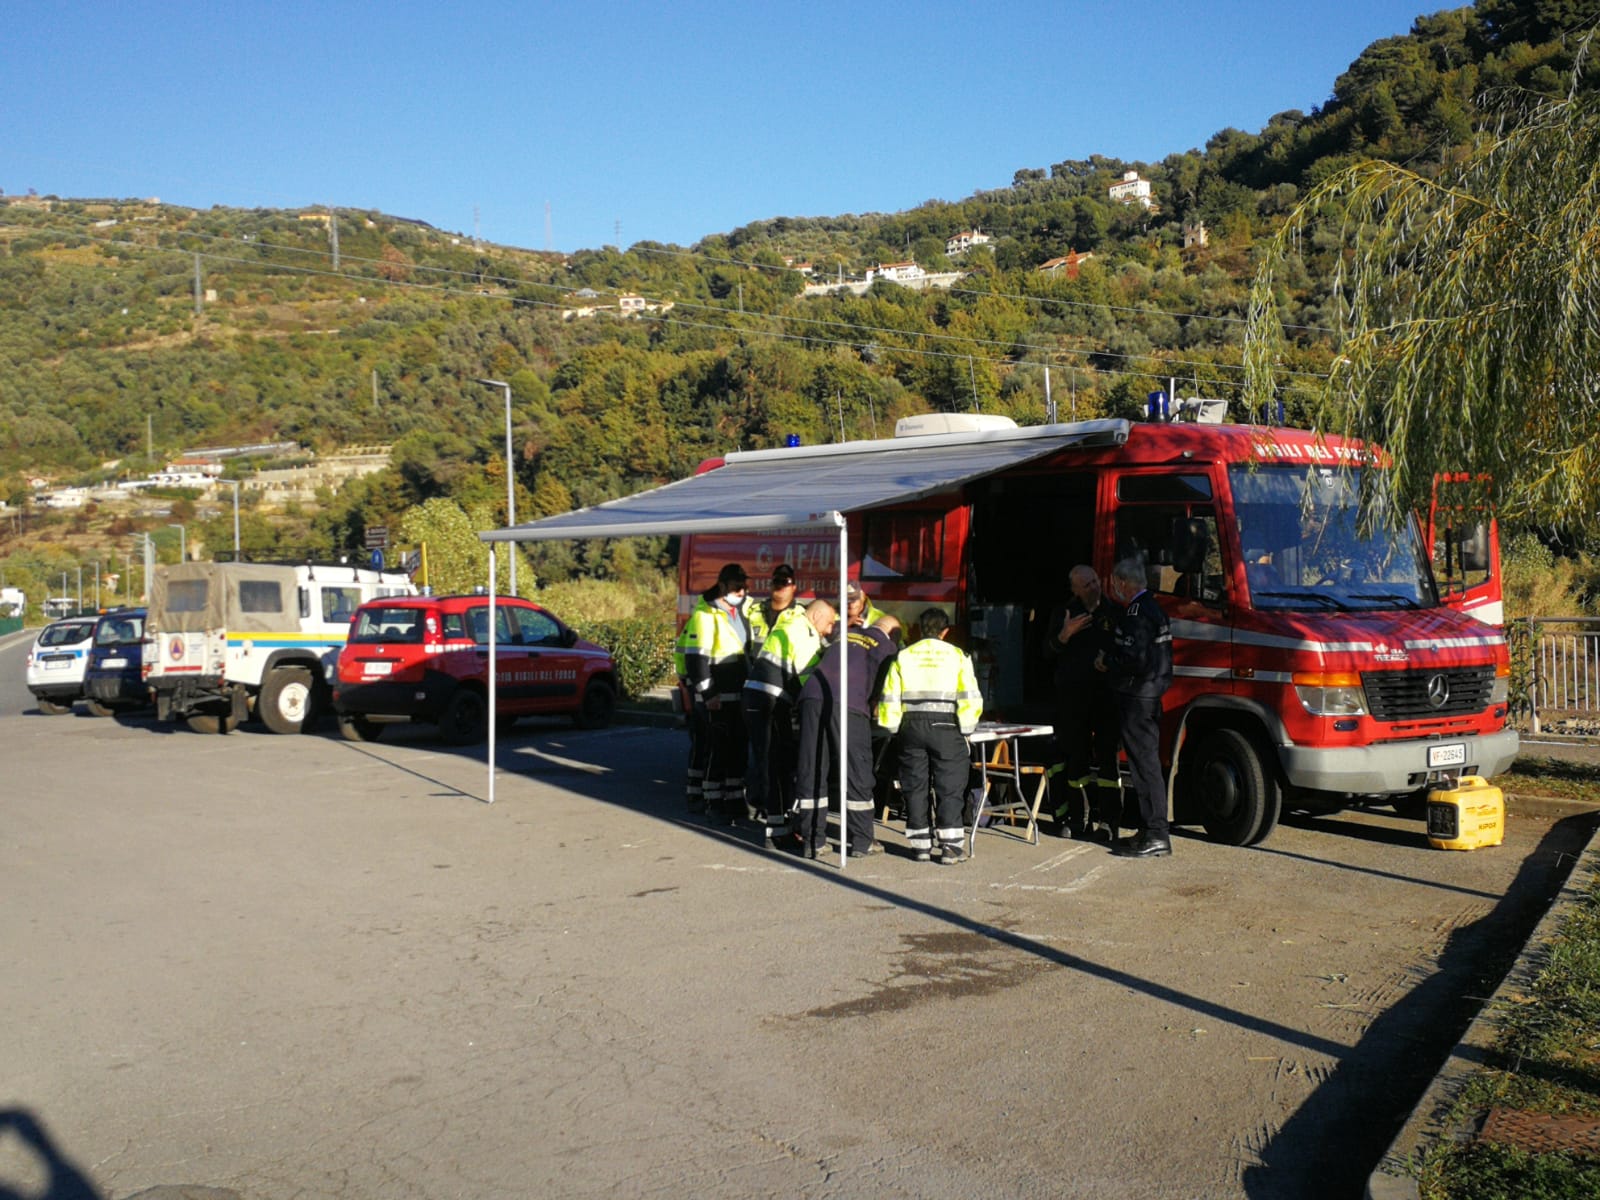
[[260, 596], [186, 595], [339, 602], [1156, 516], [903, 545]]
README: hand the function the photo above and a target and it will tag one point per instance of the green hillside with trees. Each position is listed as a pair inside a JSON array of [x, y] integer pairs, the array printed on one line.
[[132, 330]]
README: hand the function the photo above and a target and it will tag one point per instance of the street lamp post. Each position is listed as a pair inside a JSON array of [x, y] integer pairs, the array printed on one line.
[[183, 542], [234, 484], [511, 479], [97, 585]]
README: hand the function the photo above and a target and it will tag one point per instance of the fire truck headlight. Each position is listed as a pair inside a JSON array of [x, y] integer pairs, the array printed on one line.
[[1331, 693], [1500, 690]]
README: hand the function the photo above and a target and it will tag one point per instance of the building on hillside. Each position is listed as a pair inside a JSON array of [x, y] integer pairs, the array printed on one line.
[[895, 272], [805, 268], [965, 240], [1067, 264], [1132, 190], [1195, 234], [629, 305]]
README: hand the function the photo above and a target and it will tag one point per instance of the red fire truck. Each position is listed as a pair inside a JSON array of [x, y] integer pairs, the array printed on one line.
[[1316, 666]]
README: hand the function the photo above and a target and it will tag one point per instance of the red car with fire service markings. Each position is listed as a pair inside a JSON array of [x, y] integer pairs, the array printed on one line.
[[426, 658]]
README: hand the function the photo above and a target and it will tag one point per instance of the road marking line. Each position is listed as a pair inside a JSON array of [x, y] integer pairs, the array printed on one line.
[[1050, 864]]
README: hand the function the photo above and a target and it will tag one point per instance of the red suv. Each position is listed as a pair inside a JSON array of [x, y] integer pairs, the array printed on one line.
[[427, 658]]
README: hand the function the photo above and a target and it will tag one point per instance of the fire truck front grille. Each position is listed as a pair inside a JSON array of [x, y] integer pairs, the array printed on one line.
[[1419, 695]]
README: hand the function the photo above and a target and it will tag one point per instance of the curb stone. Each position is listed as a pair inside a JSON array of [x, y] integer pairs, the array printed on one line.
[[1394, 1176]]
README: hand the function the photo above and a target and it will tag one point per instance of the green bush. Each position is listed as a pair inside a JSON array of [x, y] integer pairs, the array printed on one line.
[[641, 646]]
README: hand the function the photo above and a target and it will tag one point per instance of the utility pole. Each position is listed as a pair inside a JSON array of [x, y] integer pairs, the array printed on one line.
[[333, 237], [374, 387], [149, 437], [198, 298]]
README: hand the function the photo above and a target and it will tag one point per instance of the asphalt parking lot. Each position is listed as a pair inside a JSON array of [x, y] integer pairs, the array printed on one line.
[[301, 967]]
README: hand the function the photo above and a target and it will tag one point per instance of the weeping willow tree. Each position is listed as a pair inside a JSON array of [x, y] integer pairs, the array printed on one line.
[[1470, 316]]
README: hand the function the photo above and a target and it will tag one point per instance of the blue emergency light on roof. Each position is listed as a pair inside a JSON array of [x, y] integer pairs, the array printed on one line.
[[792, 440], [1157, 407]]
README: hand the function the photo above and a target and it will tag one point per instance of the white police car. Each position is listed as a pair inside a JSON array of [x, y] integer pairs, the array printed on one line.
[[56, 663]]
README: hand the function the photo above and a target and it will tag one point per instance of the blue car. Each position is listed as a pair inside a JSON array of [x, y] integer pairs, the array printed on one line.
[[114, 682]]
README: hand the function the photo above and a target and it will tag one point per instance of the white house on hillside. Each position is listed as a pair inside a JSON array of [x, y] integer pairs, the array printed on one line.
[[1132, 190], [897, 272], [964, 241]]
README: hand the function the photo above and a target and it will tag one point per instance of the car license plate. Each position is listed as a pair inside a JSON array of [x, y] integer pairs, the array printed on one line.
[[115, 662], [377, 668], [1453, 755], [57, 664]]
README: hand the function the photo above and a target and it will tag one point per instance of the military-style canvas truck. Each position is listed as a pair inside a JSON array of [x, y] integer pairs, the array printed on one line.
[[230, 640]]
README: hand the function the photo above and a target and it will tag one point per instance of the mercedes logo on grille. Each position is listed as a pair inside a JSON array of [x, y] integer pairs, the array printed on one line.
[[1438, 691]]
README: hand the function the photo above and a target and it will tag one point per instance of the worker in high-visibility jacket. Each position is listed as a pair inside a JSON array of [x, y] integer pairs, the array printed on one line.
[[860, 608], [931, 697], [712, 650], [786, 660], [778, 607]]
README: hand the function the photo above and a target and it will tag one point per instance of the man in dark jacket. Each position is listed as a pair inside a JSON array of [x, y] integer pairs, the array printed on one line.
[[1139, 667], [1086, 711]]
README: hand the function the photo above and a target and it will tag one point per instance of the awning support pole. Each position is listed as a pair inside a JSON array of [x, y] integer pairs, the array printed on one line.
[[841, 702], [493, 678]]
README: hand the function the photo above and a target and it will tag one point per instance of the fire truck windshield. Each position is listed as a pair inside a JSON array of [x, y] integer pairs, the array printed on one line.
[[1305, 548]]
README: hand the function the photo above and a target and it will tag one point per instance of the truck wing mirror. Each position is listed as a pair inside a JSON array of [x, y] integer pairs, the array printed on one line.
[[1475, 548]]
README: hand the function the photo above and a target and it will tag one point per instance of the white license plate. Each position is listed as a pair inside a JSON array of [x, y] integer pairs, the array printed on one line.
[[377, 668], [58, 664], [1453, 755], [114, 662]]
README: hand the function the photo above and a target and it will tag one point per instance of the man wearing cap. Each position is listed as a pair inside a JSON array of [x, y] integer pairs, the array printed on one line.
[[714, 665], [781, 669], [778, 607], [931, 697]]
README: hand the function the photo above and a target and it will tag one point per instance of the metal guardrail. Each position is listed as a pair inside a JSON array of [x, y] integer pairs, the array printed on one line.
[[1563, 671]]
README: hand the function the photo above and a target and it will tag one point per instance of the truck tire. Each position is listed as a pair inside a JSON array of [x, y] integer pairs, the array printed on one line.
[[211, 722], [597, 707], [1235, 795], [51, 709], [96, 709], [286, 699], [354, 727], [466, 719]]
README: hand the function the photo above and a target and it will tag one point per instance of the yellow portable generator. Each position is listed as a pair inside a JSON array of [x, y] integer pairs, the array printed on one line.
[[1468, 816]]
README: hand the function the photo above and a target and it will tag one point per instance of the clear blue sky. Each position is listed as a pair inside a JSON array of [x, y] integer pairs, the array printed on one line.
[[677, 119]]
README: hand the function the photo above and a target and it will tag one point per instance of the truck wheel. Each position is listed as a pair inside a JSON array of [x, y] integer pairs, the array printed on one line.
[[354, 727], [51, 709], [211, 723], [466, 720], [1236, 797], [598, 705], [96, 709], [285, 702]]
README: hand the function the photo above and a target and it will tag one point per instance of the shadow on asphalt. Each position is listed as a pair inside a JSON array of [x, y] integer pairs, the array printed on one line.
[[1342, 1129], [1337, 1136]]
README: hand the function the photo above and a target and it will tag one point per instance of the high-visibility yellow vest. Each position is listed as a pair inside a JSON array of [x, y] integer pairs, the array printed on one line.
[[786, 660], [762, 623], [931, 676], [711, 651]]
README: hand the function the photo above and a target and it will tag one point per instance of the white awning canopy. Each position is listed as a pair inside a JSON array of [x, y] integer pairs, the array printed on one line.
[[803, 487]]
